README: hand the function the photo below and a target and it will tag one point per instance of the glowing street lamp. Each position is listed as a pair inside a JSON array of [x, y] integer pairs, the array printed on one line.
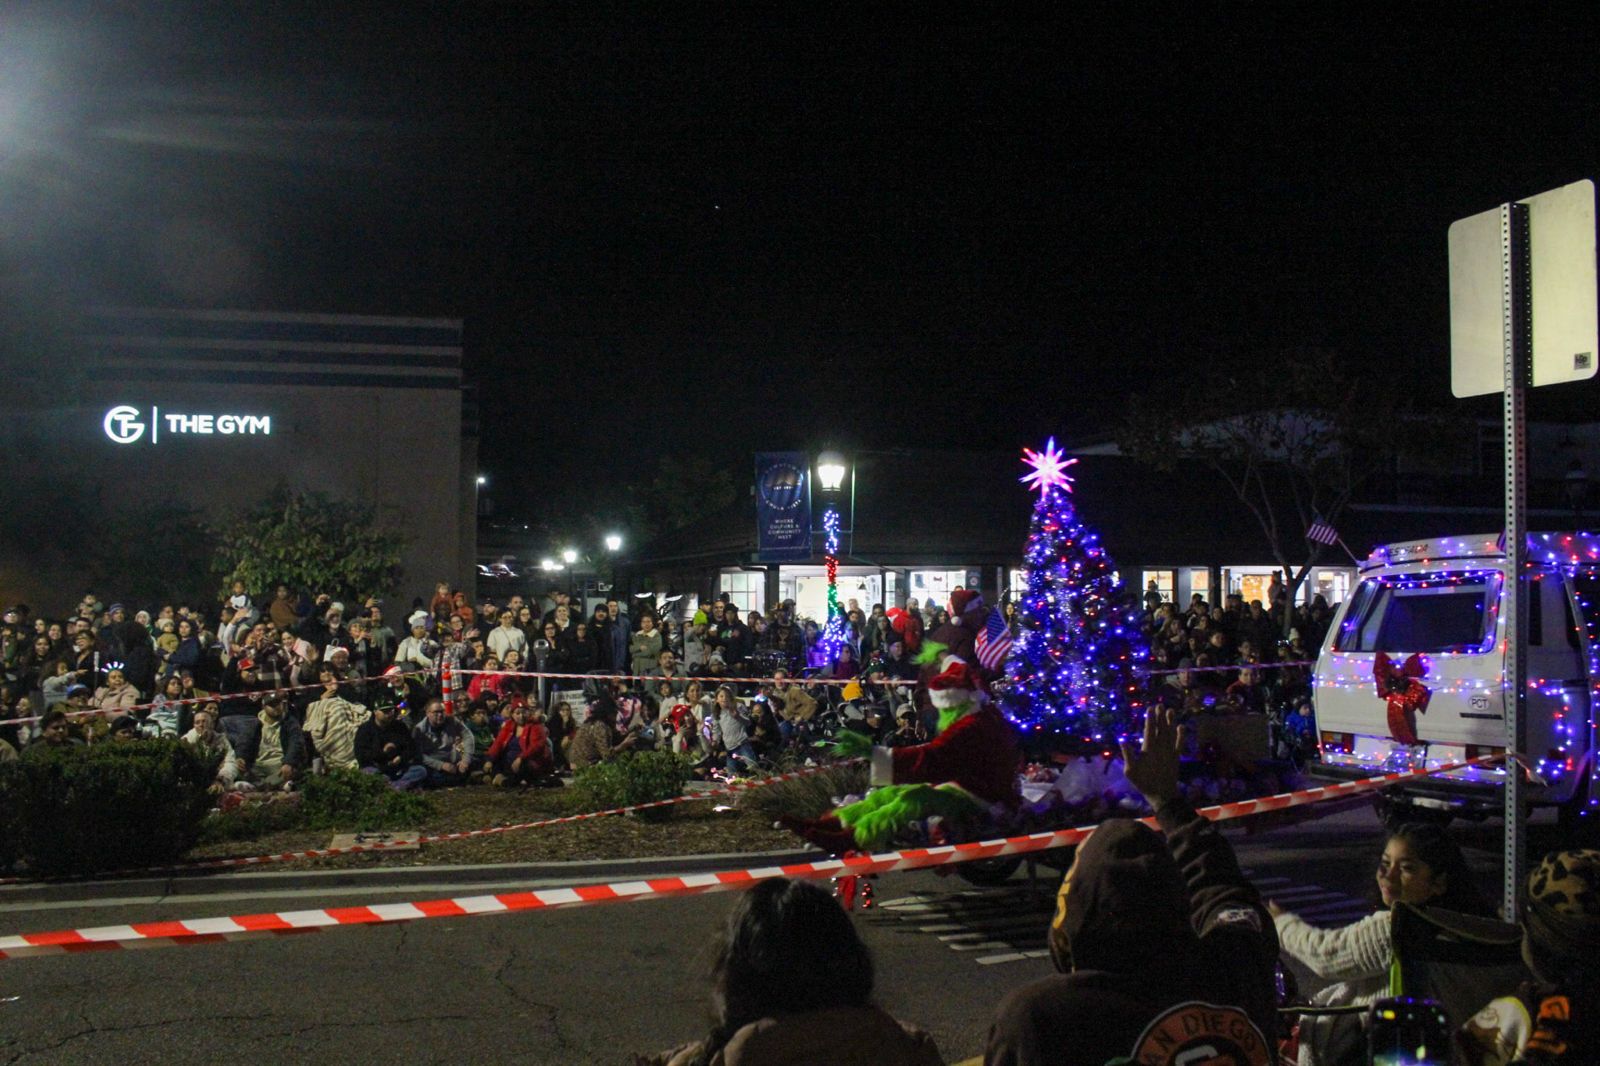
[[831, 470], [482, 480], [569, 555], [613, 542]]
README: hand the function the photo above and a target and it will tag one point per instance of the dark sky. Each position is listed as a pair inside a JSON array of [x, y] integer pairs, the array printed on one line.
[[703, 228]]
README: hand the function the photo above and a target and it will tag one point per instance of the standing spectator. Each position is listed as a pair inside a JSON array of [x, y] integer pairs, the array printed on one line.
[[443, 745], [600, 627], [417, 650], [619, 633], [333, 722], [273, 751], [507, 637], [281, 611], [383, 746], [583, 653], [644, 647]]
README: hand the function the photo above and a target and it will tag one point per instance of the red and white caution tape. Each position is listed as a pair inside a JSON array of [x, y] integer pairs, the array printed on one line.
[[214, 697], [732, 788], [724, 679], [209, 930]]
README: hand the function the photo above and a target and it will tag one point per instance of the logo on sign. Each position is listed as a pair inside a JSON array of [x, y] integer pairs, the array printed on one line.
[[1479, 701], [122, 424]]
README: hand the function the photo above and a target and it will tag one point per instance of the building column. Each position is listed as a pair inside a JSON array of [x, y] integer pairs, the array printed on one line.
[[774, 591]]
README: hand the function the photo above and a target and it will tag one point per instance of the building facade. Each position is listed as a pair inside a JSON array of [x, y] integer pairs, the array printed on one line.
[[213, 409]]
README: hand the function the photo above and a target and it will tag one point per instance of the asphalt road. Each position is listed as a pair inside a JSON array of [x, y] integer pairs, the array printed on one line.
[[592, 984]]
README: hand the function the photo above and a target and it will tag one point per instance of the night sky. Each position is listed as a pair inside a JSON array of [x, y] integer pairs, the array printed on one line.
[[699, 229]]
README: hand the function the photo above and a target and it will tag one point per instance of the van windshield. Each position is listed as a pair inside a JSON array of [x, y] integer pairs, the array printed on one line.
[[1451, 611]]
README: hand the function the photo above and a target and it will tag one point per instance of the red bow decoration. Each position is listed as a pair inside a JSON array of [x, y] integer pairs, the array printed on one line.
[[1407, 697]]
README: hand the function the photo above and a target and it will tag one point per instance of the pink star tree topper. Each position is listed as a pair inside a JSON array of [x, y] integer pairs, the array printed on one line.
[[1049, 468]]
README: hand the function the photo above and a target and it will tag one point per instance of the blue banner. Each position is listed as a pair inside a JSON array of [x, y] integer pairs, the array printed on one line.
[[783, 506]]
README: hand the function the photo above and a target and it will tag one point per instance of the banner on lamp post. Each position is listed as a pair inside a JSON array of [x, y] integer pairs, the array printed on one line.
[[783, 506]]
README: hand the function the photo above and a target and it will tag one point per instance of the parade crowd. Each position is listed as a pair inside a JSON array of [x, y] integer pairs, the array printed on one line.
[[1161, 936]]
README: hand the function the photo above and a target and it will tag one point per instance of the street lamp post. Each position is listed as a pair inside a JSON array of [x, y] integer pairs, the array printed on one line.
[[831, 470]]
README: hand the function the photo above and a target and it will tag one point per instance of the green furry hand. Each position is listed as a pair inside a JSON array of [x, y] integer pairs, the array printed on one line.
[[851, 745]]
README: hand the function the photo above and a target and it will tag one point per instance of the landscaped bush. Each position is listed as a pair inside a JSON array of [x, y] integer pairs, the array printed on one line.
[[87, 809], [632, 778], [349, 800]]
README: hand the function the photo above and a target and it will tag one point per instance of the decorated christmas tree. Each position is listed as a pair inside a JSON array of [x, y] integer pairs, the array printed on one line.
[[1073, 668]]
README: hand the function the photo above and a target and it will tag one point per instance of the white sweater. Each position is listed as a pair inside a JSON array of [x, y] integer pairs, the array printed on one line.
[[1356, 957]]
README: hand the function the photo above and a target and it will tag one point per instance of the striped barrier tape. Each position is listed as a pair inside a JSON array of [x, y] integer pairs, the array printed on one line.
[[729, 679], [211, 930], [213, 697], [731, 789]]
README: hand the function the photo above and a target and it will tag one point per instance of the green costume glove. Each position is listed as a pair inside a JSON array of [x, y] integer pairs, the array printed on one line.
[[851, 745]]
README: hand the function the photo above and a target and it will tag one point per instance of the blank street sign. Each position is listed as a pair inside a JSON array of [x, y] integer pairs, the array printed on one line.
[[1562, 234]]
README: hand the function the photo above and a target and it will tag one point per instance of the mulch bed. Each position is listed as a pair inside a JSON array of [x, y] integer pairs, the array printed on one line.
[[687, 829]]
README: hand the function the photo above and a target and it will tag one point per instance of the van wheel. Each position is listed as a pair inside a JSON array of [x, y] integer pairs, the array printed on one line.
[[1395, 811]]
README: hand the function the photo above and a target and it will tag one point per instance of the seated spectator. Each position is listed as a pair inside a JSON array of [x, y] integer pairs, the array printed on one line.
[[732, 728], [1152, 935], [488, 681], [273, 751], [1553, 1020], [210, 741], [908, 730], [521, 754], [383, 746], [595, 740], [116, 695], [792, 703], [123, 728], [1422, 866], [792, 977], [55, 734], [480, 721], [562, 726], [167, 715], [444, 746], [332, 723]]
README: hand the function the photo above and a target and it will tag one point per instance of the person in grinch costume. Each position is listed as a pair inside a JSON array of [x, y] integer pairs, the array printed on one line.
[[966, 770]]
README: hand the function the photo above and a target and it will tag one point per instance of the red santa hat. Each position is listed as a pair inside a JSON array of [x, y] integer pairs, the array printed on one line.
[[955, 685], [897, 620], [964, 600]]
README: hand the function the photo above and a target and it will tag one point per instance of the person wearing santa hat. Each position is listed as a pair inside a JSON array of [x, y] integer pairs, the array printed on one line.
[[959, 635], [967, 769]]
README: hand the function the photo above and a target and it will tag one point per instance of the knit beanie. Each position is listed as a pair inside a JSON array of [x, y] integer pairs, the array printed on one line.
[[1561, 928]]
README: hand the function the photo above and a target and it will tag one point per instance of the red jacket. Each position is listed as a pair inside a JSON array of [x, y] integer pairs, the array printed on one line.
[[533, 740], [978, 752]]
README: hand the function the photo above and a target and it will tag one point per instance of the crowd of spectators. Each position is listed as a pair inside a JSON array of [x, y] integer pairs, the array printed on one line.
[[730, 688]]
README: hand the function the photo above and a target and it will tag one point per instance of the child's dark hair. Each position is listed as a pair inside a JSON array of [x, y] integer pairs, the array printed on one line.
[[1438, 851]]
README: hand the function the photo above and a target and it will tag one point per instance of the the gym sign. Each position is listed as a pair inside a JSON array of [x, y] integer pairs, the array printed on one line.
[[125, 424]]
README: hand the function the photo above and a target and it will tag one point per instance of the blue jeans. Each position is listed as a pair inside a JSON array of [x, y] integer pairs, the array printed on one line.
[[407, 779], [745, 752]]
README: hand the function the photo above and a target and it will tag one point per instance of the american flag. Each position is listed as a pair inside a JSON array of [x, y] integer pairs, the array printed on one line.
[[993, 642], [1322, 533]]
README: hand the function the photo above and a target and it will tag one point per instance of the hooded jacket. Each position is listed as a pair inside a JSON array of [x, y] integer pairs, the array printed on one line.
[[1161, 943]]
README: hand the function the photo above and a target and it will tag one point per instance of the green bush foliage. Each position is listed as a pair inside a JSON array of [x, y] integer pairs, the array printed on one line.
[[349, 800], [631, 778], [83, 810]]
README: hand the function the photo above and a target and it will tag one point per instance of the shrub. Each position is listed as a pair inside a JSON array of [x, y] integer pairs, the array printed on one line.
[[632, 778], [353, 801], [86, 809]]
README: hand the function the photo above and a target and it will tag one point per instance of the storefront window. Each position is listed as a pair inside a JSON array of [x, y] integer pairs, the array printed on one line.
[[747, 588], [1166, 583], [936, 585], [1200, 582], [1018, 584]]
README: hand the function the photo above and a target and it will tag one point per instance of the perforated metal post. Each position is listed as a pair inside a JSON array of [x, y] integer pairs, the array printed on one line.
[[1516, 296]]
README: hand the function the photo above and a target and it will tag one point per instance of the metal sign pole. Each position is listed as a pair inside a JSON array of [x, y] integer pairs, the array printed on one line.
[[1516, 297]]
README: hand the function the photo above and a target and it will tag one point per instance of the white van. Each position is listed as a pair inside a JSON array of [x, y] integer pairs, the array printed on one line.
[[1441, 599]]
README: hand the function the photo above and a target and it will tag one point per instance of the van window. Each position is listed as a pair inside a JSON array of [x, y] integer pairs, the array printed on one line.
[[1451, 611]]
